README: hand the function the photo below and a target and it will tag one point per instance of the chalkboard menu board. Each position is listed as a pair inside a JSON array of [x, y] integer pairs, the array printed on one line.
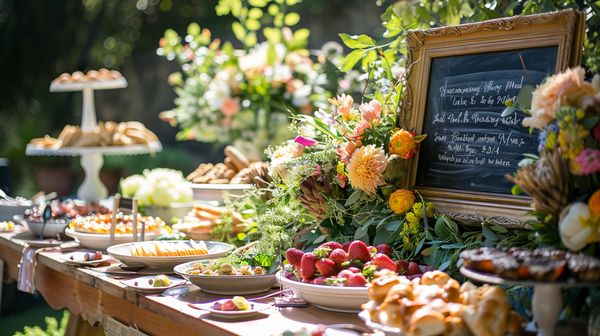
[[469, 146]]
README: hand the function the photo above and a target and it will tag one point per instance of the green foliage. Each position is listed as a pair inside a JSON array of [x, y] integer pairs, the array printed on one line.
[[52, 327]]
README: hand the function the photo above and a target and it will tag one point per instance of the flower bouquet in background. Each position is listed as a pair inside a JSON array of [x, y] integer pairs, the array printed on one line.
[[564, 177], [245, 97]]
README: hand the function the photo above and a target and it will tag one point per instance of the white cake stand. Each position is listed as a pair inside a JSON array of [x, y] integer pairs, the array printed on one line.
[[92, 189], [547, 297]]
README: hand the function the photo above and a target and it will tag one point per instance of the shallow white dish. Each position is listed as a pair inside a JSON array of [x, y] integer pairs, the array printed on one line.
[[339, 299], [214, 192], [100, 241], [176, 210], [144, 286], [78, 259], [228, 284], [256, 307], [31, 240], [52, 228], [7, 212], [389, 331], [123, 254]]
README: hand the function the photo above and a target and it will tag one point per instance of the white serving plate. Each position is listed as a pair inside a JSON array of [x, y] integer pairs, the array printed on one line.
[[214, 192], [228, 284], [100, 241], [256, 308], [78, 259], [123, 254], [144, 286], [52, 228], [339, 299]]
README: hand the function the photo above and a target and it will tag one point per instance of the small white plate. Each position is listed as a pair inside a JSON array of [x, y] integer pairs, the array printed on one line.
[[256, 307], [144, 286], [77, 258]]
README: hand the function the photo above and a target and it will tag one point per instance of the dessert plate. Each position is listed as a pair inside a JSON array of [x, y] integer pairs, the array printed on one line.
[[255, 308], [142, 284], [77, 259]]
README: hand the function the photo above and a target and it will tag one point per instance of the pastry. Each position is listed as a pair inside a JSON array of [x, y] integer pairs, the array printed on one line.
[[584, 267]]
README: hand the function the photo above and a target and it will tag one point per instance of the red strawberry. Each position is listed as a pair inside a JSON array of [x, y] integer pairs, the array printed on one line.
[[319, 280], [294, 257], [332, 245], [384, 249], [307, 266], [413, 269], [346, 246], [356, 280], [358, 250], [345, 274], [354, 270], [338, 256], [384, 262], [229, 306], [326, 267], [402, 266]]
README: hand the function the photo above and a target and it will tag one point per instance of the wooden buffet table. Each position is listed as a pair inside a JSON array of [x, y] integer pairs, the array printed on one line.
[[94, 297], [97, 296]]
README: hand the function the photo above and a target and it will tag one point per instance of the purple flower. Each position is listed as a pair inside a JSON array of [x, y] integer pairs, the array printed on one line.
[[305, 141], [325, 117]]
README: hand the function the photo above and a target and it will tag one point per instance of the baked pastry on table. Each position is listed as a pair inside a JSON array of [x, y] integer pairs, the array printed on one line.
[[436, 304], [102, 223], [92, 75]]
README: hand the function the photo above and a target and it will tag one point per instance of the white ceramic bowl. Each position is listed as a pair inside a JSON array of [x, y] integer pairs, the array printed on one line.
[[176, 210], [7, 212], [123, 254], [50, 231], [228, 284], [214, 192], [100, 241], [339, 299]]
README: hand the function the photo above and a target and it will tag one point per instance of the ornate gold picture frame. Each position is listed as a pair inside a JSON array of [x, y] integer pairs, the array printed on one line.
[[561, 31]]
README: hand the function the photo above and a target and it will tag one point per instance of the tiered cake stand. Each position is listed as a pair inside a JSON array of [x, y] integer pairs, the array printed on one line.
[[547, 297], [92, 189]]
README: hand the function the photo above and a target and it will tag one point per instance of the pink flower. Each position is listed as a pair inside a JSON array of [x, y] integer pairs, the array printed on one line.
[[360, 129], [345, 152], [589, 160], [305, 141], [371, 111], [230, 106]]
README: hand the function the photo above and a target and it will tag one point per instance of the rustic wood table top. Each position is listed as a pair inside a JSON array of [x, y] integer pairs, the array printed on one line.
[[96, 296]]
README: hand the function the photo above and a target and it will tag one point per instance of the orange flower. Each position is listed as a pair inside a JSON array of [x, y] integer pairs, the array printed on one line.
[[401, 201], [230, 106], [594, 203], [404, 144], [366, 167]]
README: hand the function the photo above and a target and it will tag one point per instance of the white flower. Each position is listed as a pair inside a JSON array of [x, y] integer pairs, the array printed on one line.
[[257, 57], [573, 227], [217, 92], [131, 184]]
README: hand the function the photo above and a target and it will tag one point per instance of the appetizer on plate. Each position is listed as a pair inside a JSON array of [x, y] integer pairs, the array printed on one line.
[[102, 223]]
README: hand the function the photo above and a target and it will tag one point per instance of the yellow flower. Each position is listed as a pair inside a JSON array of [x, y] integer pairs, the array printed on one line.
[[411, 218], [405, 240], [550, 141], [366, 167], [403, 144], [429, 208], [414, 227], [401, 201], [418, 209]]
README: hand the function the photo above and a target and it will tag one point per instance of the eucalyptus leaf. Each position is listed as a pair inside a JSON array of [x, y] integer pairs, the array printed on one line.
[[380, 237], [430, 250], [419, 247], [589, 121], [354, 197], [444, 265], [489, 234], [525, 96], [508, 111], [320, 239], [393, 226]]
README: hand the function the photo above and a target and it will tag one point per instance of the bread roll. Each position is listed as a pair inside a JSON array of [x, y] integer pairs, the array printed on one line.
[[435, 278], [379, 287], [427, 322]]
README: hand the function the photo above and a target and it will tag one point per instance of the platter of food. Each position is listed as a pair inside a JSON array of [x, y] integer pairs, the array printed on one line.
[[232, 275], [167, 254], [237, 307], [202, 218], [156, 283], [524, 267], [85, 258]]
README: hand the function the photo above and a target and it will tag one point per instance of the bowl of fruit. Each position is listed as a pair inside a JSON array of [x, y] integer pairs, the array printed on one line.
[[334, 276], [235, 274]]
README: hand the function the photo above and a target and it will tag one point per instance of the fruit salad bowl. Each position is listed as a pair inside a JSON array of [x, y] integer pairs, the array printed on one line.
[[334, 298]]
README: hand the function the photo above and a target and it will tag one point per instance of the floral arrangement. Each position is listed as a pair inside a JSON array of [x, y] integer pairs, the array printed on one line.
[[245, 97], [564, 179], [160, 187]]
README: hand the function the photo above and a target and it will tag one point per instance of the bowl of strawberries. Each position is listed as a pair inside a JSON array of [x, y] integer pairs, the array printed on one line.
[[334, 276]]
